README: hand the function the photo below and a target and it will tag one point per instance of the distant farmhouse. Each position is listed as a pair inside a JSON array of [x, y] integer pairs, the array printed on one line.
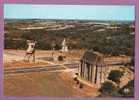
[[92, 67]]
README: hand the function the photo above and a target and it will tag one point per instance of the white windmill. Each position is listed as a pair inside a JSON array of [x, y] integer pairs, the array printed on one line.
[[64, 46]]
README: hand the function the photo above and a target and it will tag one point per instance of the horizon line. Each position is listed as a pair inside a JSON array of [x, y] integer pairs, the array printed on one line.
[[61, 19]]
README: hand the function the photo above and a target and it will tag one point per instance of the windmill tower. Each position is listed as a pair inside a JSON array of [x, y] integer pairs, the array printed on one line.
[[30, 50]]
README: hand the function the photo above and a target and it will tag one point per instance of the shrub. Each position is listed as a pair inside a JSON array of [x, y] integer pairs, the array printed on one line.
[[109, 89], [130, 87], [81, 85], [60, 58], [115, 76]]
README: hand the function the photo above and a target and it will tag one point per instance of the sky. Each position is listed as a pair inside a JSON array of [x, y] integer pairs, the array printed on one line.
[[75, 12]]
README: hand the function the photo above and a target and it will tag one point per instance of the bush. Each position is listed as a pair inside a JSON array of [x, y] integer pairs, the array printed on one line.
[[109, 89], [75, 78], [77, 82], [60, 58], [81, 85], [130, 87], [115, 76]]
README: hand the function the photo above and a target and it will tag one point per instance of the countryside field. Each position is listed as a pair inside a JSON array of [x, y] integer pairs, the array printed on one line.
[[54, 83], [52, 73]]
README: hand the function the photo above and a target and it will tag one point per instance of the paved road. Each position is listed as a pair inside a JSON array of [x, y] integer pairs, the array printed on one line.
[[50, 68]]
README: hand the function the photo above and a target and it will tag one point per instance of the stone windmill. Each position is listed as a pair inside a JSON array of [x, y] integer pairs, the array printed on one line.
[[30, 50], [64, 46]]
